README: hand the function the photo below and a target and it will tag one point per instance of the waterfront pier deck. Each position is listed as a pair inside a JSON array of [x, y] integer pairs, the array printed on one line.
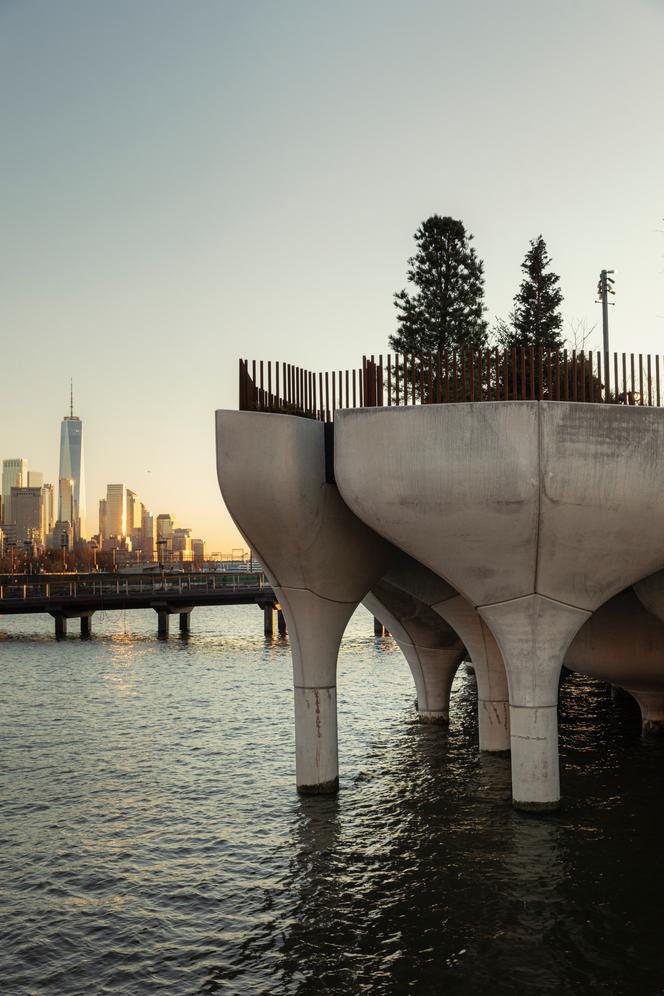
[[79, 596]]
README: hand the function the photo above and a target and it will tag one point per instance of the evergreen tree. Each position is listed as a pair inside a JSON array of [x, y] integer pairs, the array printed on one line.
[[445, 311], [536, 319]]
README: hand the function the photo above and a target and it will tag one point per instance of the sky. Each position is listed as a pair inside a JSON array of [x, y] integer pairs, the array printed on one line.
[[183, 184]]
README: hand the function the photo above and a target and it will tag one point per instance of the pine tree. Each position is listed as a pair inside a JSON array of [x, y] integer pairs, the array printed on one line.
[[446, 309], [536, 319]]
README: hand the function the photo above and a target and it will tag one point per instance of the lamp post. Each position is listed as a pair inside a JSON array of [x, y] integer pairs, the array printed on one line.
[[604, 288]]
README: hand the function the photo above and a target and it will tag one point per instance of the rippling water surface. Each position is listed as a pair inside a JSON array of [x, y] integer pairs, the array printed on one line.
[[152, 841]]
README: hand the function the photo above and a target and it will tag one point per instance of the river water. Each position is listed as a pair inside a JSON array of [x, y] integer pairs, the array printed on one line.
[[152, 840]]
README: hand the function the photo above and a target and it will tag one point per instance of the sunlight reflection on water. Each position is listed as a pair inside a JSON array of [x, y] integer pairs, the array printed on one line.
[[152, 840]]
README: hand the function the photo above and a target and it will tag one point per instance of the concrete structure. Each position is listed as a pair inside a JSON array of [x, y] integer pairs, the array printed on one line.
[[14, 475], [320, 559], [431, 647], [72, 468], [519, 519], [533, 511], [623, 644]]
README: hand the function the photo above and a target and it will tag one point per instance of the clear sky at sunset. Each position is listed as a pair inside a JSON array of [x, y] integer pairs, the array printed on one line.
[[184, 183]]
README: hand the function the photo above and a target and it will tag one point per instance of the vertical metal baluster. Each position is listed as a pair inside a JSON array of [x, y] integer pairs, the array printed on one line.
[[583, 376], [657, 379], [649, 380], [524, 392]]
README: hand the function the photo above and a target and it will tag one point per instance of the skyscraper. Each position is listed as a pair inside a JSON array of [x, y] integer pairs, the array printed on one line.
[[14, 475], [28, 511], [72, 469], [116, 510]]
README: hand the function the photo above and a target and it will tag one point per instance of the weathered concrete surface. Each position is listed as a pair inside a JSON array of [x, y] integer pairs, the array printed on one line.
[[602, 477], [455, 486], [490, 674], [412, 577], [431, 647], [650, 592], [533, 511], [319, 558]]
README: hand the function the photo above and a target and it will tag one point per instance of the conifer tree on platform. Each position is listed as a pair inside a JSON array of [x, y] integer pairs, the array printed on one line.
[[536, 319], [445, 310]]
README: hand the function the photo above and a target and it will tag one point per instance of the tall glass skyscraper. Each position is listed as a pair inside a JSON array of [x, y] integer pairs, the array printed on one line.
[[71, 497]]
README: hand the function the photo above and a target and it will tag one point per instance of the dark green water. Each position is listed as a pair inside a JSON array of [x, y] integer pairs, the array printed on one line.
[[152, 841]]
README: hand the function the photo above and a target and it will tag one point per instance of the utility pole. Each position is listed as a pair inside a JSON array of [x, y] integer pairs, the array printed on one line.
[[604, 288]]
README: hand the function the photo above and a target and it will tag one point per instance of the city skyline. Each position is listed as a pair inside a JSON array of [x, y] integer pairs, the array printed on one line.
[[155, 249], [28, 508]]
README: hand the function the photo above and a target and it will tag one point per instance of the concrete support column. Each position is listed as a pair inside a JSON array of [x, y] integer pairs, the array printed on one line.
[[60, 627], [433, 671], [86, 627], [281, 623], [379, 628], [268, 620], [185, 622], [315, 628], [492, 693], [163, 618], [651, 705], [533, 634]]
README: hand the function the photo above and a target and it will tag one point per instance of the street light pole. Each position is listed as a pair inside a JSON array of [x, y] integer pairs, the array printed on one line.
[[604, 288]]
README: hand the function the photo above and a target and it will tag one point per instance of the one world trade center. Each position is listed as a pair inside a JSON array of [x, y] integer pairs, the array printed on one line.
[[71, 490]]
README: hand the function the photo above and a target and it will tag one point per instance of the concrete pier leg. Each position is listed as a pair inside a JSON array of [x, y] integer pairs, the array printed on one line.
[[185, 623], [163, 617], [86, 627], [533, 634], [651, 705], [315, 627], [281, 623], [492, 693], [379, 629], [433, 671], [60, 627], [268, 620]]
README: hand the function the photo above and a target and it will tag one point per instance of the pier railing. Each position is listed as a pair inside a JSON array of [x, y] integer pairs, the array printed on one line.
[[31, 586], [452, 377]]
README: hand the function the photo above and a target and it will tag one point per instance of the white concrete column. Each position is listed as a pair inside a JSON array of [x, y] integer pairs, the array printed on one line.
[[276, 478], [533, 634], [433, 671], [315, 628], [431, 647], [492, 694], [651, 704]]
